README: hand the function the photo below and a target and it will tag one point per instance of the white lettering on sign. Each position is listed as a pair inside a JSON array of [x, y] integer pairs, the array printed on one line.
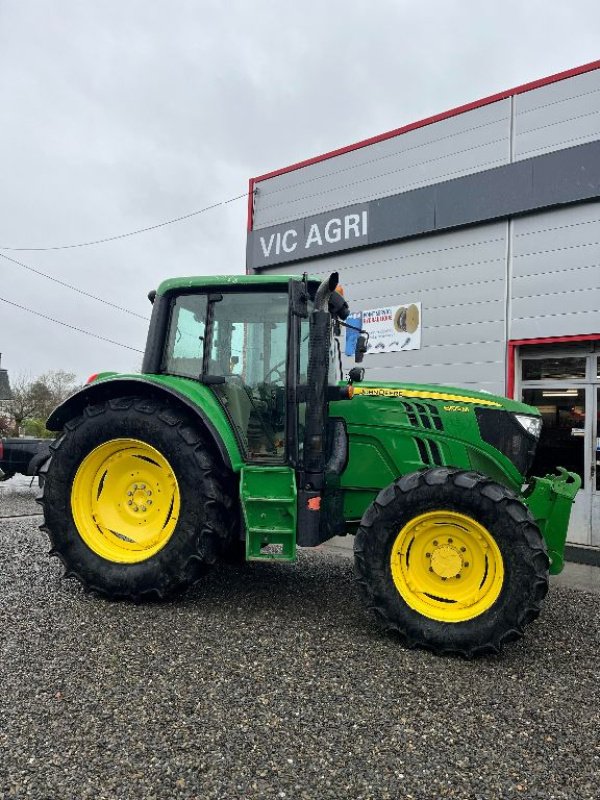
[[289, 248], [352, 226], [333, 231], [267, 248], [314, 235]]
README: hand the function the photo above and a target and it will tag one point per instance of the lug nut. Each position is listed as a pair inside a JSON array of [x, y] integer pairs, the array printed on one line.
[[466, 563], [143, 508], [435, 542], [134, 486], [130, 502], [149, 502], [463, 549], [427, 555], [449, 541], [135, 508], [142, 486], [149, 493], [129, 494]]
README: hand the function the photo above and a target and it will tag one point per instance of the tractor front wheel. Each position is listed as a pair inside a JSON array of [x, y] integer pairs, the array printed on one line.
[[452, 561], [136, 502]]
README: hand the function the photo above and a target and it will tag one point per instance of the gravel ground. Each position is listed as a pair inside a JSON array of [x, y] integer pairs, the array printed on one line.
[[17, 496], [271, 681]]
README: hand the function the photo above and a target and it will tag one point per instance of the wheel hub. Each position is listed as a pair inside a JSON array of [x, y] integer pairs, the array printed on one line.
[[446, 561], [139, 497]]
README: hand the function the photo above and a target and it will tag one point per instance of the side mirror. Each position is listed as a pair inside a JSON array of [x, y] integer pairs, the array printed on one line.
[[356, 374], [338, 307], [361, 348]]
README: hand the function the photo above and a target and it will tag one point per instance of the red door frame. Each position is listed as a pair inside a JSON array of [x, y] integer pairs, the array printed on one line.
[[514, 343]]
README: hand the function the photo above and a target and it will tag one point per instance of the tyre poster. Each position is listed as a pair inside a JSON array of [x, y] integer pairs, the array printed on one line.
[[391, 329]]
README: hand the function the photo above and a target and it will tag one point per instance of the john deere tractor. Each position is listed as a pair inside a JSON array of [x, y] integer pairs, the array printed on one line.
[[239, 439]]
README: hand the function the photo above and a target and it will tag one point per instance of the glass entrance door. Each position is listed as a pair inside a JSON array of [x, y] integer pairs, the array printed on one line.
[[565, 386], [564, 444]]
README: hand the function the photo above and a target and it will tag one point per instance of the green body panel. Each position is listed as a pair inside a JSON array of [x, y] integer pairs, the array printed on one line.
[[268, 498], [198, 394], [413, 427]]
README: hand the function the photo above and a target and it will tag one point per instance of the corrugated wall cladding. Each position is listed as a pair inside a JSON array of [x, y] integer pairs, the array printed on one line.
[[457, 146], [460, 280], [555, 285], [559, 115]]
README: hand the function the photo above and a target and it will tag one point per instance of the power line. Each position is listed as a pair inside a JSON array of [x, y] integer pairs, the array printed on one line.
[[129, 233], [74, 288], [72, 327]]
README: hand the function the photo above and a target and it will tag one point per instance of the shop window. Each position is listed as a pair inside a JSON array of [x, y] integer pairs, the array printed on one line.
[[556, 369]]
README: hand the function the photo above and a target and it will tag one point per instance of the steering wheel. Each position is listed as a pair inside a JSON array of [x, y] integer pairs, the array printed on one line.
[[277, 371]]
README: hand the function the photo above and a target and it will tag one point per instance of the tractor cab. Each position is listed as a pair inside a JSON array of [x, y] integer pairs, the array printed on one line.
[[266, 351]]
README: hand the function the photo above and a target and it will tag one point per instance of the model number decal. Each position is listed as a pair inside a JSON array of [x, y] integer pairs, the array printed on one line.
[[464, 409]]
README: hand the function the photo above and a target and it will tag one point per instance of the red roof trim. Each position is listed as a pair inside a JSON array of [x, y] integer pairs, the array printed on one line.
[[526, 87]]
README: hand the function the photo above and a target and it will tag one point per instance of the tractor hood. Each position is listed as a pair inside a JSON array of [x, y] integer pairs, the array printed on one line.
[[445, 394], [422, 426]]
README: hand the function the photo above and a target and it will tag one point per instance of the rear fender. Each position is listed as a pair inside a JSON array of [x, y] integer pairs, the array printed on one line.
[[108, 389]]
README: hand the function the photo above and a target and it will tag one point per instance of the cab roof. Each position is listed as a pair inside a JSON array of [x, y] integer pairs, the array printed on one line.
[[226, 281]]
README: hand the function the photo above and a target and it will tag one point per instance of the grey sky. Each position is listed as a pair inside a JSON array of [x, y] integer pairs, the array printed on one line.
[[117, 114]]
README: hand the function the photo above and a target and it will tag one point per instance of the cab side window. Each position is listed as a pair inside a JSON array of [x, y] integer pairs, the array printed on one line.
[[184, 350]]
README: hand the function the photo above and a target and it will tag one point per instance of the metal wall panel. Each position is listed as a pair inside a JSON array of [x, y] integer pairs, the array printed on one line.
[[460, 280], [555, 285], [562, 114], [461, 145]]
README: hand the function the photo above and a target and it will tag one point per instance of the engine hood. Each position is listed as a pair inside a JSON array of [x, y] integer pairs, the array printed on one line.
[[445, 394]]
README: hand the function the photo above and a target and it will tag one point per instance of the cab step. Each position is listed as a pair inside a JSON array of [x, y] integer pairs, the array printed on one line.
[[268, 496]]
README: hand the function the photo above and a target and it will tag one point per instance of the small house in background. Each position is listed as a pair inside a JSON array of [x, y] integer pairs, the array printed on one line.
[[5, 392]]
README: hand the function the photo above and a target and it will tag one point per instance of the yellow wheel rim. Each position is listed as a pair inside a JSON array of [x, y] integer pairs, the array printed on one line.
[[446, 566], [125, 501]]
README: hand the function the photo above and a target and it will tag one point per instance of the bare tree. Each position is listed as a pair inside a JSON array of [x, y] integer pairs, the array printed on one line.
[[33, 400]]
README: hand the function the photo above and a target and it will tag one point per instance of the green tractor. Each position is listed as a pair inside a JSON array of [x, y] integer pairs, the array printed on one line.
[[239, 439]]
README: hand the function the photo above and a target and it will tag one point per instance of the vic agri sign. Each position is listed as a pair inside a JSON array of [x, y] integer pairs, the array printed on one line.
[[307, 238]]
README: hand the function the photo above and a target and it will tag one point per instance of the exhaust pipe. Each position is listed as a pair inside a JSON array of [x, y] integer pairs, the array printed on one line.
[[325, 290]]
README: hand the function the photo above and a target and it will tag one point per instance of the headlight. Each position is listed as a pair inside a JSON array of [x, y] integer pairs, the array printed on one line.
[[533, 425], [515, 435]]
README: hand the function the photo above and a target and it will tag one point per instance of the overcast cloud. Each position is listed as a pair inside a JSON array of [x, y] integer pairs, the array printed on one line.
[[118, 114]]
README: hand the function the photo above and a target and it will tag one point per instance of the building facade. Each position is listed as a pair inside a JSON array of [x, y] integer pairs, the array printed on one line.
[[483, 224]]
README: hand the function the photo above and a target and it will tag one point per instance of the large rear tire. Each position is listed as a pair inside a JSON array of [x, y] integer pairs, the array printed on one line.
[[451, 561], [136, 501]]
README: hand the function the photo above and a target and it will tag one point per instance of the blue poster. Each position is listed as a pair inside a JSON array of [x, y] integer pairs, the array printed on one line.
[[355, 319]]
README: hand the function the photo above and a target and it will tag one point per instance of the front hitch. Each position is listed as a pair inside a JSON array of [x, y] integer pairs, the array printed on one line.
[[550, 499]]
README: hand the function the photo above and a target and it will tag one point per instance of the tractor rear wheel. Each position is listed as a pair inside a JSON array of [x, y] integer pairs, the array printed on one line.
[[452, 561], [136, 502]]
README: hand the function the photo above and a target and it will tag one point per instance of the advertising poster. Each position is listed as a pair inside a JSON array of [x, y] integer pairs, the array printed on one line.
[[391, 329]]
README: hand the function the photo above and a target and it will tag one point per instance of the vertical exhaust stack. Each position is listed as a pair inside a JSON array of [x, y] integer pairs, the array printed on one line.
[[312, 477]]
